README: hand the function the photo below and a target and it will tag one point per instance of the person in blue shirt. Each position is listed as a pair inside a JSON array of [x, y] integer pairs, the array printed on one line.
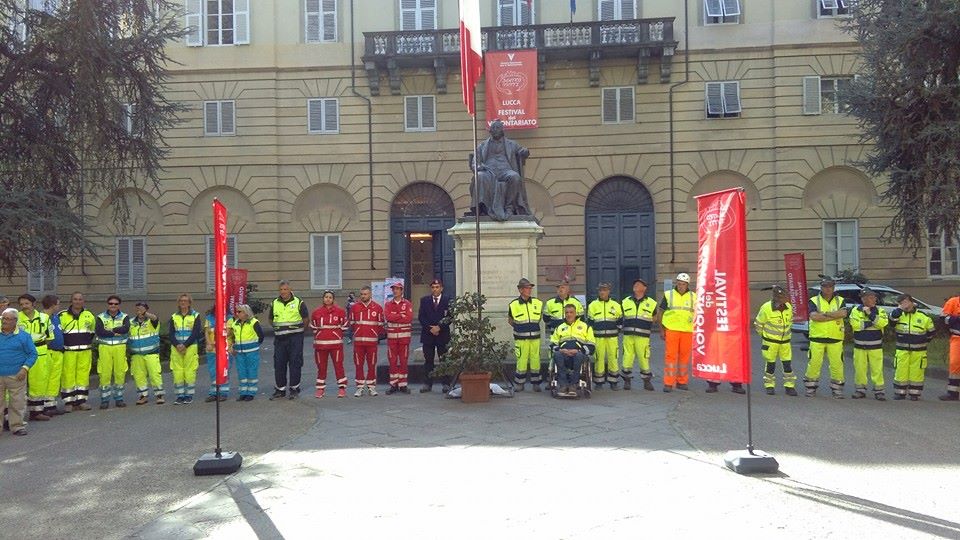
[[17, 356]]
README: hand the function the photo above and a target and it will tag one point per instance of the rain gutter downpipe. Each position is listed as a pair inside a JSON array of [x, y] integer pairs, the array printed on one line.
[[673, 184], [353, 89]]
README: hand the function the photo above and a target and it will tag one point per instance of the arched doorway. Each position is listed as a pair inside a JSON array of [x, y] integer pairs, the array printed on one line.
[[620, 236], [420, 248]]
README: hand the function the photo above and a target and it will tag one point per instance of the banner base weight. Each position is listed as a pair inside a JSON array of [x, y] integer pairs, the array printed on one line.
[[209, 464], [743, 462]]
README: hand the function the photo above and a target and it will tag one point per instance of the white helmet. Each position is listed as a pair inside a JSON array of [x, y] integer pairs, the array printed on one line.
[[684, 277]]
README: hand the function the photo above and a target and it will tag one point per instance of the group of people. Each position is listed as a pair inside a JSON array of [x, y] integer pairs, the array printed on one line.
[[576, 333]]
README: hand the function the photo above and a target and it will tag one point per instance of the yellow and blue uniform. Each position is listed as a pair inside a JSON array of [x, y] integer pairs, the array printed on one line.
[[914, 331], [55, 365], [526, 316], [112, 334], [576, 335], [604, 317], [210, 333], [41, 332], [637, 322], [144, 346], [553, 311], [774, 326], [246, 337], [826, 339], [868, 348], [185, 329]]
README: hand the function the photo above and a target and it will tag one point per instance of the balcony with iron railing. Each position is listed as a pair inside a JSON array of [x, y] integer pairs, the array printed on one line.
[[642, 39]]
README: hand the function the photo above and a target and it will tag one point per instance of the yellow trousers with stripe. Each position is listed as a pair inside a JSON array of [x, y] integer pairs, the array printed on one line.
[[606, 364], [527, 352]]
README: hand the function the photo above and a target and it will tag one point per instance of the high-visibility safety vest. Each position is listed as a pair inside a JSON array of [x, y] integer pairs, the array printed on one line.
[[569, 335], [868, 329], [914, 330], [678, 312], [78, 330], [183, 325], [39, 328], [827, 331], [526, 317], [210, 331], [774, 324], [604, 317], [638, 315], [286, 318], [111, 323], [554, 309], [244, 333], [144, 336]]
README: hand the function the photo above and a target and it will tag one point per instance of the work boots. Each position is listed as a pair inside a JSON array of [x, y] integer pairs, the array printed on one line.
[[647, 384], [627, 383], [790, 391], [950, 396]]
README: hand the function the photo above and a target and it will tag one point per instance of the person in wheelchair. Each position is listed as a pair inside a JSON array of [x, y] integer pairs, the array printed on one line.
[[571, 343]]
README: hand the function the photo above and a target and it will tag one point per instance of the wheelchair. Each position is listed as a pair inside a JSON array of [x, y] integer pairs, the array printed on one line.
[[584, 387]]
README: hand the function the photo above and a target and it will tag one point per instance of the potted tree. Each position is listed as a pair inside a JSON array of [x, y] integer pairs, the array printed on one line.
[[473, 353]]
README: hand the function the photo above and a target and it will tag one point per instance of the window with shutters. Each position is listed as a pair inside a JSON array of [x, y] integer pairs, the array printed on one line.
[[943, 255], [129, 111], [320, 20], [323, 115], [418, 14], [515, 12], [825, 95], [131, 263], [723, 99], [217, 22], [841, 249], [211, 256], [219, 118], [326, 270], [617, 105], [721, 12], [419, 113], [616, 10], [40, 279], [833, 8]]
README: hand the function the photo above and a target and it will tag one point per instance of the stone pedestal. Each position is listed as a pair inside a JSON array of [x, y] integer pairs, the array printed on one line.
[[508, 252]]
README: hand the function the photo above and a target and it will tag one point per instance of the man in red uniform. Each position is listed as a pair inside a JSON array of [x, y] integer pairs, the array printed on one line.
[[366, 320], [399, 316], [328, 323]]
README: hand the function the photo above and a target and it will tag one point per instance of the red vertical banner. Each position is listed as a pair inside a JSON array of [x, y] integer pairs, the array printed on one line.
[[511, 88], [721, 331], [796, 267], [236, 288], [220, 286]]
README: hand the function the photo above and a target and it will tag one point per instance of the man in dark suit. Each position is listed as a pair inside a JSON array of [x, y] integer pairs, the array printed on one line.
[[434, 332]]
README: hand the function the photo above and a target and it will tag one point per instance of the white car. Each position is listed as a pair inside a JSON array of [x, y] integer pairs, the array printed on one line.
[[886, 300]]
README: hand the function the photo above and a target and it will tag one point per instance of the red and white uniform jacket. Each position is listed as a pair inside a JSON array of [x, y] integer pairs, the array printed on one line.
[[329, 324], [367, 322], [399, 315]]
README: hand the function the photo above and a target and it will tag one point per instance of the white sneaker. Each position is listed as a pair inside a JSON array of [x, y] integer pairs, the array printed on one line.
[[359, 392], [372, 390]]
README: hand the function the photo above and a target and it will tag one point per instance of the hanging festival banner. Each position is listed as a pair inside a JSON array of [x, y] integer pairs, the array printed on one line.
[[236, 289], [797, 285], [220, 287], [511, 88], [721, 331]]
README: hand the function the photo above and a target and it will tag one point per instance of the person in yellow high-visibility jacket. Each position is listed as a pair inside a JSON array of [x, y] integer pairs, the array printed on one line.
[[773, 323], [867, 322], [827, 312], [914, 330], [605, 317], [676, 316]]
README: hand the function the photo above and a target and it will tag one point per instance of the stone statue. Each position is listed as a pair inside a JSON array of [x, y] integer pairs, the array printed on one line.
[[500, 177]]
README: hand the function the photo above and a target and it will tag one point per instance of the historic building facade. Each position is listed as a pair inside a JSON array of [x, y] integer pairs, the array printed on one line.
[[334, 132]]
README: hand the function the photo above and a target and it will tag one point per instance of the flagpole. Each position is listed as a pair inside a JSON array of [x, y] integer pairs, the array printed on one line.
[[476, 197]]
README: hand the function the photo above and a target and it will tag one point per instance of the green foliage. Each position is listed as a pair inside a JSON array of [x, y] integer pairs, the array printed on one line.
[[851, 276], [67, 75], [907, 100], [257, 304], [472, 348]]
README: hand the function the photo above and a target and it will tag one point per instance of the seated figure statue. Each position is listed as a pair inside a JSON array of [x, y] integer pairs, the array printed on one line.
[[499, 177]]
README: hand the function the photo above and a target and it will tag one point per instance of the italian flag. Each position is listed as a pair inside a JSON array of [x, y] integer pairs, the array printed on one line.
[[471, 53]]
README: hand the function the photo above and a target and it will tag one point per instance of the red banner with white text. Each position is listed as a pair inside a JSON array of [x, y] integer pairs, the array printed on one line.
[[236, 289], [511, 88], [721, 331], [797, 285], [220, 287]]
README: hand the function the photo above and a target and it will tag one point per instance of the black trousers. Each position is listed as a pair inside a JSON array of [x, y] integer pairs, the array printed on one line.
[[430, 353], [288, 353]]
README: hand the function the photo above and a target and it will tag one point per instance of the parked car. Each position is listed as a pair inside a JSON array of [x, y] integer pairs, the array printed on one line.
[[886, 300]]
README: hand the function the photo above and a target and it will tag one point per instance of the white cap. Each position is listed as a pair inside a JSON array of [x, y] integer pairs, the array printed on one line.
[[684, 277]]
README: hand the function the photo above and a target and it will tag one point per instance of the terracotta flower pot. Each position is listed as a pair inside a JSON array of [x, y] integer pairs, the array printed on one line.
[[475, 387]]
